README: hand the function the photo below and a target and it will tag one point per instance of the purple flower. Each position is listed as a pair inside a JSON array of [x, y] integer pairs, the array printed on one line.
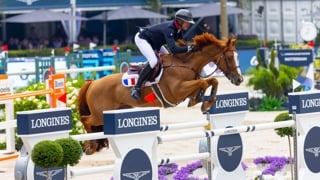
[[274, 163], [244, 166], [184, 172], [166, 169], [259, 160]]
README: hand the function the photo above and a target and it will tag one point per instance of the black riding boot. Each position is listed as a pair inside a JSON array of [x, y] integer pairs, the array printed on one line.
[[136, 90]]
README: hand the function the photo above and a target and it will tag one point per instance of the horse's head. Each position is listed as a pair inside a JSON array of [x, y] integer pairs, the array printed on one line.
[[229, 62], [223, 54]]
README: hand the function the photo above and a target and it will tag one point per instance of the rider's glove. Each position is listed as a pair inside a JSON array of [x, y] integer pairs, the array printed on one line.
[[192, 48]]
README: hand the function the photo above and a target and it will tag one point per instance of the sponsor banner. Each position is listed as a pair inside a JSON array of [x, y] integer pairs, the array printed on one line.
[[304, 102], [295, 57], [131, 121], [44, 121], [230, 103]]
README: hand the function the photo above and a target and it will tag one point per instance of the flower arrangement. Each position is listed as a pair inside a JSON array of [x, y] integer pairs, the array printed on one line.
[[173, 172], [183, 173], [271, 165]]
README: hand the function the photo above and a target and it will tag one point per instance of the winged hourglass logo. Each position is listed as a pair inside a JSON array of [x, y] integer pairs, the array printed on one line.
[[314, 150], [50, 173], [229, 150], [136, 175], [28, 2]]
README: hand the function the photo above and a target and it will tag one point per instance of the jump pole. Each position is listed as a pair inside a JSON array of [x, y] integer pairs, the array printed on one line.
[[5, 90], [56, 91]]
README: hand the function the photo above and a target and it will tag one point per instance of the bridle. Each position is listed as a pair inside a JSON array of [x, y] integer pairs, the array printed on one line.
[[226, 59], [222, 57]]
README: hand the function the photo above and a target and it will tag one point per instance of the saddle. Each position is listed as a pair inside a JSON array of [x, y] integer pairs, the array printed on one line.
[[130, 77]]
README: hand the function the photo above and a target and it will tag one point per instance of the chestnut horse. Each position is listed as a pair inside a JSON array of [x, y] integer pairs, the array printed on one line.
[[180, 80]]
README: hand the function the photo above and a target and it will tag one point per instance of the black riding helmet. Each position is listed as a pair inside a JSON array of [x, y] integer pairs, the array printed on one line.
[[184, 15]]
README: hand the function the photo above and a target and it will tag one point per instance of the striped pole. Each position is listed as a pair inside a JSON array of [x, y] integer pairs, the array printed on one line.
[[225, 131], [177, 126]]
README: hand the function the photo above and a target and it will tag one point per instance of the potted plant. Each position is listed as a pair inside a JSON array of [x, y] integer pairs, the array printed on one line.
[[59, 153], [47, 154], [72, 152], [285, 132]]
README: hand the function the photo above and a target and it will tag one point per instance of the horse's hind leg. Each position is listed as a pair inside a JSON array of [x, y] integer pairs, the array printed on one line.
[[206, 105], [101, 142], [91, 146]]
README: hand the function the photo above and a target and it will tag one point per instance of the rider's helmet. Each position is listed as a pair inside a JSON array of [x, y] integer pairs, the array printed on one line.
[[184, 15]]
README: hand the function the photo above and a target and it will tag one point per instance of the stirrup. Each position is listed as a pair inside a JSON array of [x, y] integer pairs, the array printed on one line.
[[135, 93]]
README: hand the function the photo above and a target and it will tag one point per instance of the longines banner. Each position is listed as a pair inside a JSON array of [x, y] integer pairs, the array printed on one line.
[[304, 103], [43, 121], [230, 103], [131, 121]]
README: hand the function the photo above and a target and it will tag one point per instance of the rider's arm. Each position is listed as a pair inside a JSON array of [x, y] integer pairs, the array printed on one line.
[[170, 40]]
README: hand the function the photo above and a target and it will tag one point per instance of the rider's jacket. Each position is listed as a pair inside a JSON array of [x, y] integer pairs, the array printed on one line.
[[164, 33]]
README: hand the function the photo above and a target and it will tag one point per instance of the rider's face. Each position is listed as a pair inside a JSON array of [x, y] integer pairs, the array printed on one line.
[[185, 25]]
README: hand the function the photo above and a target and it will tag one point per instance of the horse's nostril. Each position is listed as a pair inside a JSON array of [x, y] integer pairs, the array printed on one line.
[[240, 79]]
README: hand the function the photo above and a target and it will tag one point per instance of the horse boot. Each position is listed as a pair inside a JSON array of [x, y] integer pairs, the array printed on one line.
[[135, 92]]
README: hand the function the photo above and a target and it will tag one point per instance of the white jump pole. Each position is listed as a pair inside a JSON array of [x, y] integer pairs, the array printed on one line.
[[225, 131]]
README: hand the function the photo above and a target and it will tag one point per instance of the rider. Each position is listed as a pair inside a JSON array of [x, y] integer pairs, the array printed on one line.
[[153, 38]]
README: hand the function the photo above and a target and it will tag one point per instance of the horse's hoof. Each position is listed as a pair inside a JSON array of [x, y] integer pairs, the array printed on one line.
[[192, 102], [89, 151], [203, 109], [205, 106]]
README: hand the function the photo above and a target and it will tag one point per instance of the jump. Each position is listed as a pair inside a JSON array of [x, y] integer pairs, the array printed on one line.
[[180, 79]]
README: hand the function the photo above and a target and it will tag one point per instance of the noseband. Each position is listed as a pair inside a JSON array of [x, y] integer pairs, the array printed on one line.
[[219, 61]]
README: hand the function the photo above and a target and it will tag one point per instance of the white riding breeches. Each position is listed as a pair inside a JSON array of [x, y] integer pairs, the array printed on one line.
[[146, 50]]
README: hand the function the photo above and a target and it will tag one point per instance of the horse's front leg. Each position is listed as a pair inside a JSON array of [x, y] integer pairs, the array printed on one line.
[[196, 97], [206, 105], [190, 89]]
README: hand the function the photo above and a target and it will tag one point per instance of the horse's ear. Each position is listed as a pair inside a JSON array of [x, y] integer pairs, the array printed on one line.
[[232, 41]]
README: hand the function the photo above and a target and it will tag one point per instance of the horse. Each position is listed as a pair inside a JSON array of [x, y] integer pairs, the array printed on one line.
[[180, 80]]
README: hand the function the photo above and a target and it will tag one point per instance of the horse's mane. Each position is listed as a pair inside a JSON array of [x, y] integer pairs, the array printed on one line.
[[206, 39]]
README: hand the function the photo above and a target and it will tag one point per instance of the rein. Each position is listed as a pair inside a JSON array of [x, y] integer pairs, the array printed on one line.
[[197, 75]]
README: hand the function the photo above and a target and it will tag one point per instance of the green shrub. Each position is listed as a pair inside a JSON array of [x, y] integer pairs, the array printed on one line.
[[72, 151], [285, 131], [272, 104], [47, 154]]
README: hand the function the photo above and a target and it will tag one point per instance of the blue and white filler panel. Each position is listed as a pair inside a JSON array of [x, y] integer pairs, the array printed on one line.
[[132, 133], [306, 107]]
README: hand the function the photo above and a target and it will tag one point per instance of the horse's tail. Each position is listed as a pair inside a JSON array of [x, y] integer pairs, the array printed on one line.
[[83, 107]]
